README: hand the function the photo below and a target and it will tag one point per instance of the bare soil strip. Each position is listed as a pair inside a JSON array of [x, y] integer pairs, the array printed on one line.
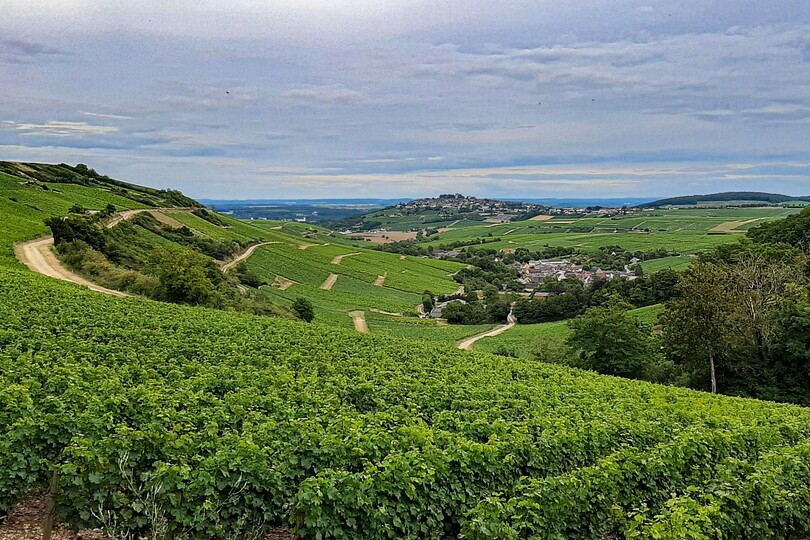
[[467, 343], [449, 227], [248, 252], [359, 318], [168, 220], [541, 218], [509, 231], [402, 257], [380, 280], [282, 283], [126, 214], [306, 246], [460, 290], [25, 522], [733, 226], [339, 258], [330, 282], [38, 256], [381, 312]]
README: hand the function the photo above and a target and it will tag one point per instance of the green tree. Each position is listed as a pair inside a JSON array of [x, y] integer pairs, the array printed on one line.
[[726, 318], [186, 276], [77, 227], [612, 342], [303, 309], [695, 325]]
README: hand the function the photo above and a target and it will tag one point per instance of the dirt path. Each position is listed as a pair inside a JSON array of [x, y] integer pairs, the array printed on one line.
[[123, 216], [380, 280], [25, 520], [467, 343], [732, 226], [166, 219], [330, 282], [126, 214], [248, 252], [359, 318], [391, 313], [338, 259], [38, 256], [282, 283]]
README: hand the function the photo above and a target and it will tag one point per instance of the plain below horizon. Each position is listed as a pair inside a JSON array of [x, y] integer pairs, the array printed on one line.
[[572, 202]]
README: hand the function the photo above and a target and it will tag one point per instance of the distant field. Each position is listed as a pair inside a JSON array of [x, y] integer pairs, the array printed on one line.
[[667, 263], [686, 231]]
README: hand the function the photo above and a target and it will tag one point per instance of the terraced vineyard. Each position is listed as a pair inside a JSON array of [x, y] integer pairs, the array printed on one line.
[[169, 421]]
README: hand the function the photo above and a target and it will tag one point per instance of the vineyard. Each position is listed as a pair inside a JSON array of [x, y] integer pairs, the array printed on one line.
[[209, 424], [169, 421]]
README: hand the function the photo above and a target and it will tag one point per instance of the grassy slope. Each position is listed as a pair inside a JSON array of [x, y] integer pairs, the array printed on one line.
[[525, 339]]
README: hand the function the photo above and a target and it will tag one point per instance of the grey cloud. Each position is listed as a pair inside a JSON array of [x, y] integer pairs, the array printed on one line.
[[324, 95]]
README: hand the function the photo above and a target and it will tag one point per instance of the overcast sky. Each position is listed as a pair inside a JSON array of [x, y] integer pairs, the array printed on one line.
[[391, 98]]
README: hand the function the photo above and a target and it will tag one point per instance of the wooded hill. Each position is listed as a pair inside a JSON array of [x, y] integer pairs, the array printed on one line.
[[725, 197]]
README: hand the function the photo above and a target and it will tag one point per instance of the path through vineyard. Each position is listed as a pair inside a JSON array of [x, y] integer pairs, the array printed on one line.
[[359, 319], [248, 252], [467, 343], [38, 256]]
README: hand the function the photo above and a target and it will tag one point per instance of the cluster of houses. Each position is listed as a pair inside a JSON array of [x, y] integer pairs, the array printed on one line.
[[534, 273], [453, 204]]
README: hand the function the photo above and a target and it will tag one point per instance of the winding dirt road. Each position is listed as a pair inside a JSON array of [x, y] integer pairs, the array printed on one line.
[[248, 252], [467, 343], [38, 256]]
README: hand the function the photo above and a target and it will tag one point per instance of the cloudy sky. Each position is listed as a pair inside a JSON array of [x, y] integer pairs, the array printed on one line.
[[390, 98]]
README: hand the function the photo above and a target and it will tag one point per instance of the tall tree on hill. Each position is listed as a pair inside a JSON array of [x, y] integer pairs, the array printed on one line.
[[695, 324], [612, 342], [727, 315]]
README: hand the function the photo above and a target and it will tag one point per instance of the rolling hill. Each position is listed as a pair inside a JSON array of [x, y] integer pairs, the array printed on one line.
[[182, 421], [725, 197]]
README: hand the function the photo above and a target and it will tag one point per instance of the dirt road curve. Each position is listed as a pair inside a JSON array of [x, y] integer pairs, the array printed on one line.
[[126, 214], [359, 319], [37, 256], [467, 343], [248, 252]]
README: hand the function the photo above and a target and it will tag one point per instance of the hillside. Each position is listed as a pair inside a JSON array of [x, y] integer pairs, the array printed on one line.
[[725, 197], [179, 421]]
